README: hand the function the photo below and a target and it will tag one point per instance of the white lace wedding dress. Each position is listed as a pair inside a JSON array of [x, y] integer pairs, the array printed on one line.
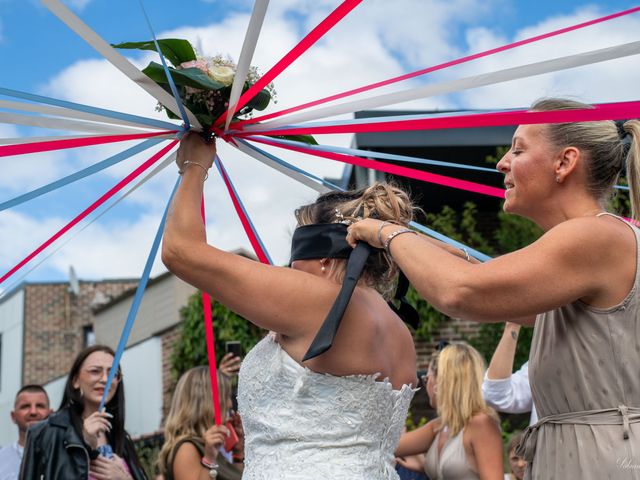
[[304, 425]]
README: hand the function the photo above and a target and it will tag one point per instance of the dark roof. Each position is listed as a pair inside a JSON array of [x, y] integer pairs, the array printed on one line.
[[460, 137]]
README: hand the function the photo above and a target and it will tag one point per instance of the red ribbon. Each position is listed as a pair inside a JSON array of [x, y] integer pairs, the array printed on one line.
[[394, 169], [139, 170], [440, 66], [211, 345], [257, 248], [35, 147], [312, 37], [603, 111]]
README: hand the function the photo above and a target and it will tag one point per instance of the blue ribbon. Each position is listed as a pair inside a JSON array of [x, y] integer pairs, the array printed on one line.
[[223, 172], [124, 337], [85, 108], [183, 113], [287, 165], [385, 156], [80, 174]]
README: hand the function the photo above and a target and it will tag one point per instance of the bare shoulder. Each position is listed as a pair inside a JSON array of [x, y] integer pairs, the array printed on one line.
[[187, 453], [483, 423], [593, 230]]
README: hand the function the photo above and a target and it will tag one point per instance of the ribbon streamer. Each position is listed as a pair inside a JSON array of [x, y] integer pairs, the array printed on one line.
[[126, 180], [603, 111], [475, 81], [125, 117], [69, 113], [246, 54], [60, 245], [63, 124], [281, 166], [117, 60], [398, 170], [318, 32], [373, 154], [80, 174], [172, 85], [137, 299], [435, 68], [249, 228], [22, 149]]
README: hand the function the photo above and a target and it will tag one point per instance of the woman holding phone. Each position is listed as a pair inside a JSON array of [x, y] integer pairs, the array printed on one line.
[[193, 448]]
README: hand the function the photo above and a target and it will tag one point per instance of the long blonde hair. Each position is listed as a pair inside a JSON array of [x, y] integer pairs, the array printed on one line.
[[191, 413], [460, 372]]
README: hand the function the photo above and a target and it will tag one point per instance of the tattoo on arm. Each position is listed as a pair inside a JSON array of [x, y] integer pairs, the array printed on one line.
[[514, 335]]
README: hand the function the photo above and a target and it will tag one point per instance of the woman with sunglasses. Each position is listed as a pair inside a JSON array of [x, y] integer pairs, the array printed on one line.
[[79, 441]]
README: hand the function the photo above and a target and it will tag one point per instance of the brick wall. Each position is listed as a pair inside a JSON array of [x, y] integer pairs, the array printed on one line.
[[54, 321], [451, 330]]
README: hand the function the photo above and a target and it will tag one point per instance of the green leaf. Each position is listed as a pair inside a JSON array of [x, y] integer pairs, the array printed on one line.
[[175, 50], [260, 101], [308, 139], [189, 77]]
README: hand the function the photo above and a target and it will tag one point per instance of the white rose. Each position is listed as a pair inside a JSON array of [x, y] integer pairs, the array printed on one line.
[[222, 74]]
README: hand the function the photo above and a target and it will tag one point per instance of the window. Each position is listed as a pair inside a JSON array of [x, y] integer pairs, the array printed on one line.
[[88, 335]]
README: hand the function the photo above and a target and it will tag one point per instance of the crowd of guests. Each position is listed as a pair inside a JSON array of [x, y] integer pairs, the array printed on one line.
[[79, 441]]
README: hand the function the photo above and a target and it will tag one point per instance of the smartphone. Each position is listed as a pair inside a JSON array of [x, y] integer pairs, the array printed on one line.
[[232, 439], [234, 347]]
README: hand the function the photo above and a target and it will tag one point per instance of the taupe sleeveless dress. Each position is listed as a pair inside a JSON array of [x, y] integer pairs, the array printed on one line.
[[451, 463], [584, 370]]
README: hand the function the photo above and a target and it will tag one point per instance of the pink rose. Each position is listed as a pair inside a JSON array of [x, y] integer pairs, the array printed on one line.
[[199, 64]]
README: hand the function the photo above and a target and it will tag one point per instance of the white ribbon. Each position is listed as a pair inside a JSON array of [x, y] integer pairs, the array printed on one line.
[[63, 124], [69, 113], [246, 54], [117, 60], [318, 187], [532, 69]]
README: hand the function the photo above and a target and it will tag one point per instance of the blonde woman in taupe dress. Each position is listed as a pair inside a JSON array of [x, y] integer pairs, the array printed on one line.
[[579, 283]]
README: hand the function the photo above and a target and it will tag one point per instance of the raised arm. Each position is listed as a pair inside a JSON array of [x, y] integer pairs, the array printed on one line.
[[566, 264], [274, 298], [418, 440], [503, 390]]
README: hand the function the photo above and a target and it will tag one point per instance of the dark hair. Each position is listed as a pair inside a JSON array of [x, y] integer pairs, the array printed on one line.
[[381, 201], [33, 388], [72, 401], [514, 440]]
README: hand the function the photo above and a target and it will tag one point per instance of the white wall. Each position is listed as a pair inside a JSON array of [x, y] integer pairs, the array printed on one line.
[[142, 376], [55, 390], [11, 329]]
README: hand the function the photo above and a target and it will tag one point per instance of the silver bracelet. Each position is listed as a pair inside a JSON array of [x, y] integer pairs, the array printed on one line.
[[393, 235], [188, 162], [467, 257], [380, 227]]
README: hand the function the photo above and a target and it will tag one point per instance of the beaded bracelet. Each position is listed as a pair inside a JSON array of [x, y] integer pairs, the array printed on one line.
[[188, 162], [381, 226], [393, 235]]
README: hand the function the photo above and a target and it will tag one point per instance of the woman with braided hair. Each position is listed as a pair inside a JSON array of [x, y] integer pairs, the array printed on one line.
[[581, 280]]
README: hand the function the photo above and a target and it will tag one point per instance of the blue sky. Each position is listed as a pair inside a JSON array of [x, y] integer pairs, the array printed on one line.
[[379, 39]]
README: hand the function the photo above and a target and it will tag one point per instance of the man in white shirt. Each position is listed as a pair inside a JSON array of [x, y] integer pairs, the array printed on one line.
[[503, 390], [30, 406]]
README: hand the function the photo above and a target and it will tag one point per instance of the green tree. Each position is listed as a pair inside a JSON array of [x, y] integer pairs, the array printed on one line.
[[190, 348]]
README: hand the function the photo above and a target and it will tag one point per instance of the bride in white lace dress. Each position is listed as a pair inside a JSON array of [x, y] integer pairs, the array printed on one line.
[[340, 415]]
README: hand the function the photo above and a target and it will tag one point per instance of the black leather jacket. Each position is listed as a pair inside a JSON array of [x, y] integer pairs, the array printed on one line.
[[54, 450]]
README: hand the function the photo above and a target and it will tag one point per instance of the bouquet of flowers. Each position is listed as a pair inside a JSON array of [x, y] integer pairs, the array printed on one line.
[[204, 83]]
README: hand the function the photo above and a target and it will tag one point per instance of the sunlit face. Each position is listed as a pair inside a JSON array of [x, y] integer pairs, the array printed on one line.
[[92, 378], [518, 464], [528, 170], [30, 408]]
